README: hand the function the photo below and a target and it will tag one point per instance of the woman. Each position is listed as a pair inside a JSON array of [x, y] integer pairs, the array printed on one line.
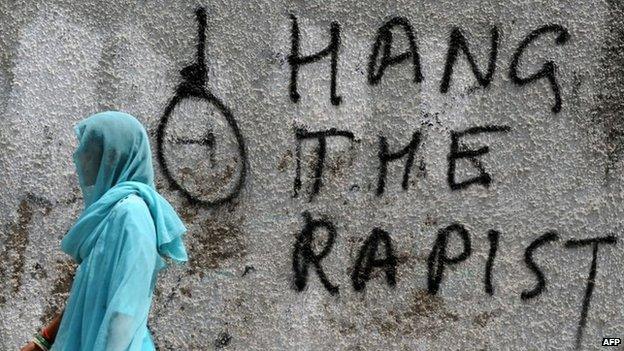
[[119, 241]]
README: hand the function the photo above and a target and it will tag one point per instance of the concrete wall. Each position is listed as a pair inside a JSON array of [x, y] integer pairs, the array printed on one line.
[[555, 176]]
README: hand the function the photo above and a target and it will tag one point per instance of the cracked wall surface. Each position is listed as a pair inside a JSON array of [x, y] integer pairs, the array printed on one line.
[[304, 234]]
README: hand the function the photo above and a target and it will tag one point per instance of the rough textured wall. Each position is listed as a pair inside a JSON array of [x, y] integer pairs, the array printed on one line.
[[328, 159]]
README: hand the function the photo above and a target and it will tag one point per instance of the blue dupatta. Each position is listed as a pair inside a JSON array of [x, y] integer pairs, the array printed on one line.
[[119, 240]]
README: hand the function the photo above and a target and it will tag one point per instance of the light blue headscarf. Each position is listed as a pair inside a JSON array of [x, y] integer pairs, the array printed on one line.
[[119, 240]]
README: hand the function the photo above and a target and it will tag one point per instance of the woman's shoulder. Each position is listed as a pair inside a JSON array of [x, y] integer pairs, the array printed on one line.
[[131, 216], [130, 204], [133, 208]]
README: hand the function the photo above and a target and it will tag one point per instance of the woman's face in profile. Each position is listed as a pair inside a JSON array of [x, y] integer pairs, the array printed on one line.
[[87, 159]]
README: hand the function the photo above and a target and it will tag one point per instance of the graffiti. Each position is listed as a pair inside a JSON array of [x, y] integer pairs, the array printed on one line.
[[493, 237], [455, 154], [591, 278], [438, 259], [381, 59], [368, 259], [528, 260], [394, 173], [408, 152], [384, 37], [321, 137], [385, 156], [548, 69], [304, 255], [193, 87], [457, 43], [296, 61]]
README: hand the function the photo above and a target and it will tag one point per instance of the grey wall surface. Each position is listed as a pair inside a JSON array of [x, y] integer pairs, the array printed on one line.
[[245, 287]]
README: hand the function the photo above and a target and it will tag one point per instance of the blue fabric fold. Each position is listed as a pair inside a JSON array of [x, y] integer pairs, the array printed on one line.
[[121, 240]]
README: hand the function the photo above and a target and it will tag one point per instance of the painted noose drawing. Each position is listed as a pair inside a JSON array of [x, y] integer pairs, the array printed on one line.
[[202, 185]]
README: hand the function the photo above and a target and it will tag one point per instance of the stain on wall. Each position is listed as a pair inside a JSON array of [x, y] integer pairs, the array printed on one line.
[[610, 107], [365, 175], [17, 245]]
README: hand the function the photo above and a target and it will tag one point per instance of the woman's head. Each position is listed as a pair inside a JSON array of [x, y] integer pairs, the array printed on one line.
[[112, 147]]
